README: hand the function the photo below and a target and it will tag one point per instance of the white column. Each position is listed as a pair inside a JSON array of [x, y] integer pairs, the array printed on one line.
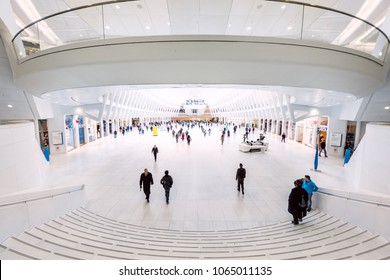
[[357, 133], [76, 134]]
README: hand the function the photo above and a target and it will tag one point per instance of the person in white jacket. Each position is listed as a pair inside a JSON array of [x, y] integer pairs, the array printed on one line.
[[310, 187]]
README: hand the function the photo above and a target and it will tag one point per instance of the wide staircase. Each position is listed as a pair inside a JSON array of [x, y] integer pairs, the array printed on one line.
[[82, 234]]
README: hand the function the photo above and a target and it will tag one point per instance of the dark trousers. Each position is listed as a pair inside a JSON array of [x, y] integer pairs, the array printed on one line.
[[155, 156], [240, 182], [147, 193], [167, 194]]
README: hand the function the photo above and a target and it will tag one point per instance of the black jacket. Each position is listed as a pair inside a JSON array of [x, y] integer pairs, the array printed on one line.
[[166, 181], [295, 199], [241, 173], [147, 181]]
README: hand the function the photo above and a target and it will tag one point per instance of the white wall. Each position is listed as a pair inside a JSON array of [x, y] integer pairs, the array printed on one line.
[[336, 125], [368, 211], [200, 59], [10, 94], [22, 211], [349, 111], [370, 164], [7, 16], [22, 165]]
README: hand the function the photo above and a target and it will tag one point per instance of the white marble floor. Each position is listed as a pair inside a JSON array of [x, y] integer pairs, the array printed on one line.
[[204, 195]]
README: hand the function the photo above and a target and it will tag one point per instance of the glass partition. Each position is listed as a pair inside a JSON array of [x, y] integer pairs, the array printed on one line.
[[271, 19]]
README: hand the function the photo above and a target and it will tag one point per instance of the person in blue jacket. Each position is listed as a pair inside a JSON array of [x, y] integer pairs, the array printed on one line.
[[310, 187]]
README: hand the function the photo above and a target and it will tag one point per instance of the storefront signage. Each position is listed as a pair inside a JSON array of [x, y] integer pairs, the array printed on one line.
[[335, 139], [57, 138]]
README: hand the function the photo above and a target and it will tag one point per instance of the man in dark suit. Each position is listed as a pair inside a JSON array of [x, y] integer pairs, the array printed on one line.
[[146, 179], [240, 176]]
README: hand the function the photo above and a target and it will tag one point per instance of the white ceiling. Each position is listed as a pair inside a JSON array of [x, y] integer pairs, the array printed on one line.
[[218, 17]]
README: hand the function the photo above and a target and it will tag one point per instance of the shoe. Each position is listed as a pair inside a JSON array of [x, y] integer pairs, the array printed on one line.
[[326, 156], [238, 189], [242, 193], [319, 155], [300, 220], [167, 202], [294, 223], [147, 200], [308, 209]]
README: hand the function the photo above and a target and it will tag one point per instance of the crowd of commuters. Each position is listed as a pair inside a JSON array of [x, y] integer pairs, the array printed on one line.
[[300, 197]]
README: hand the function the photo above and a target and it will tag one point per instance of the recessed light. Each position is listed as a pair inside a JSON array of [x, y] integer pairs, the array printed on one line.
[[108, 27], [289, 28], [380, 53], [349, 96], [229, 25], [386, 108], [81, 35], [10, 106], [147, 27], [313, 35], [168, 23], [248, 28], [283, 7], [117, 6]]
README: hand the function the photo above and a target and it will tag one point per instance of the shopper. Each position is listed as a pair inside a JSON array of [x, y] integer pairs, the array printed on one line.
[[167, 183], [146, 180], [322, 146]]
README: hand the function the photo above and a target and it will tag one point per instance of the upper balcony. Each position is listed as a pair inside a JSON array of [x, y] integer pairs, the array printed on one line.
[[269, 19]]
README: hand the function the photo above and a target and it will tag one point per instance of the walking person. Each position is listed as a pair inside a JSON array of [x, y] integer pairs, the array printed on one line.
[[297, 202], [283, 138], [146, 180], [240, 176], [155, 152], [167, 183], [310, 187], [322, 146]]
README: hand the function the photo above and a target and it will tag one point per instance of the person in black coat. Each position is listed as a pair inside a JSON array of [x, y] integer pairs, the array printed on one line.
[[297, 202], [240, 176], [146, 179], [167, 183], [155, 152]]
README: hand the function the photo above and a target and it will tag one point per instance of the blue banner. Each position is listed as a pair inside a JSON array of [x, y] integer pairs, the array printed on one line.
[[316, 158]]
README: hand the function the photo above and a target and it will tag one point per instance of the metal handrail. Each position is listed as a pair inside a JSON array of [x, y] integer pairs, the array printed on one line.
[[70, 10], [353, 199], [26, 200], [332, 10], [280, 1]]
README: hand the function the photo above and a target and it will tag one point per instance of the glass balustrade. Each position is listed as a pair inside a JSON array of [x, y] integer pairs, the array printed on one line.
[[122, 19]]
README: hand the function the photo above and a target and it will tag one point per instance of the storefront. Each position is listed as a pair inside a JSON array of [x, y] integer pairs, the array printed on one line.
[[69, 133]]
